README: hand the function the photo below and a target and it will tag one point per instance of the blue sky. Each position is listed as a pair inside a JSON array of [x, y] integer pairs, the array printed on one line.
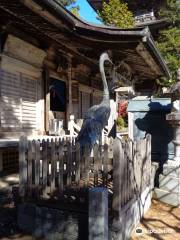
[[86, 12]]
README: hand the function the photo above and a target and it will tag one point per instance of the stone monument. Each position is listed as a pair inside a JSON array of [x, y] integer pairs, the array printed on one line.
[[169, 180]]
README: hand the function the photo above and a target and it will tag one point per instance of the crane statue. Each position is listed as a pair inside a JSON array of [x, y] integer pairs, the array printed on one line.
[[96, 118]]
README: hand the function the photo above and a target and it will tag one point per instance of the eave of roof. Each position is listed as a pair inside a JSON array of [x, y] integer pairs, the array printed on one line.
[[93, 4], [78, 30], [139, 32]]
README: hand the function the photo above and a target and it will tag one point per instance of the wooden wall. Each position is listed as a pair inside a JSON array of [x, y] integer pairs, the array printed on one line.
[[24, 91], [21, 91]]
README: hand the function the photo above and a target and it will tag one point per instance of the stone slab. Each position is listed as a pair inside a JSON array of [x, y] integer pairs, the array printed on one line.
[[171, 169], [149, 116], [167, 197], [169, 183], [151, 104]]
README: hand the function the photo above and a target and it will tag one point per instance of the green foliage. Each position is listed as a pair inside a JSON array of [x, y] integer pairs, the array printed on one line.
[[172, 12], [121, 123], [75, 11], [71, 4], [169, 40], [116, 13], [66, 3]]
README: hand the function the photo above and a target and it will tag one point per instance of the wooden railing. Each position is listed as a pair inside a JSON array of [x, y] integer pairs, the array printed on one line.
[[48, 167], [145, 17], [74, 128]]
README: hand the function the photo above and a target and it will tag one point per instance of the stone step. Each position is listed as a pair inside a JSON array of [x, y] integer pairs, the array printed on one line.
[[167, 197], [169, 183], [171, 169]]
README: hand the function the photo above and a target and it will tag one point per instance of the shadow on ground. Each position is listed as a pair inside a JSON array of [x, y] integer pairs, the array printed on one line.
[[161, 222]]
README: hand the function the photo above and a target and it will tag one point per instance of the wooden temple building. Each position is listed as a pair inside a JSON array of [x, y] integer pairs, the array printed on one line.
[[49, 68]]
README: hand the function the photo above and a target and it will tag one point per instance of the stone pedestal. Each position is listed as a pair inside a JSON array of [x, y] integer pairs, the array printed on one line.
[[174, 120], [98, 214], [169, 180]]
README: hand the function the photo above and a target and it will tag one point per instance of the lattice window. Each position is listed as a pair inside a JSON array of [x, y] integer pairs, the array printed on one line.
[[18, 100]]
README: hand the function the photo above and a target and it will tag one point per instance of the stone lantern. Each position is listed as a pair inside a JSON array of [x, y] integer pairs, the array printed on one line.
[[174, 118], [169, 181]]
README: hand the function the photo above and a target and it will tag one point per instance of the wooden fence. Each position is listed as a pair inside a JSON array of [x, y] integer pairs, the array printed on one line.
[[51, 167], [48, 168], [131, 170]]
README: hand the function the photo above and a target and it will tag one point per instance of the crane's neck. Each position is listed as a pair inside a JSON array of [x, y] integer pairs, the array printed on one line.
[[105, 86]]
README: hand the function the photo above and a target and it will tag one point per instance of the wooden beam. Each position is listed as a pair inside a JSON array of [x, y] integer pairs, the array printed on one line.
[[142, 51], [47, 100], [69, 100], [1, 161], [56, 22]]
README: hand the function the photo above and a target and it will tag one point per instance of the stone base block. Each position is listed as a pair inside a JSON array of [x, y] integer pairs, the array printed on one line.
[[169, 183], [171, 168], [171, 198], [130, 216]]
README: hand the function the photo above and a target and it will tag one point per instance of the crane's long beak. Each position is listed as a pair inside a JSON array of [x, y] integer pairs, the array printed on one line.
[[110, 61]]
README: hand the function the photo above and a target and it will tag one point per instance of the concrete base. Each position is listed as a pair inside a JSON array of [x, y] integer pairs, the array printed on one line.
[[130, 216], [52, 224], [169, 184]]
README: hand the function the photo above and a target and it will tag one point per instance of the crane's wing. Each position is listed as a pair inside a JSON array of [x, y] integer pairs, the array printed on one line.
[[93, 125], [89, 134]]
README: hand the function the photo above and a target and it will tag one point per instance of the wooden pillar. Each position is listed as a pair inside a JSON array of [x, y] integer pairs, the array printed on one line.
[[47, 100], [1, 161], [118, 157], [69, 100], [22, 166]]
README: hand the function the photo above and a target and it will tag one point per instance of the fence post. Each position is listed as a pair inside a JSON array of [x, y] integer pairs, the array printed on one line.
[[78, 158], [61, 165], [98, 214], [118, 156], [29, 170], [45, 167], [22, 166], [53, 167]]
